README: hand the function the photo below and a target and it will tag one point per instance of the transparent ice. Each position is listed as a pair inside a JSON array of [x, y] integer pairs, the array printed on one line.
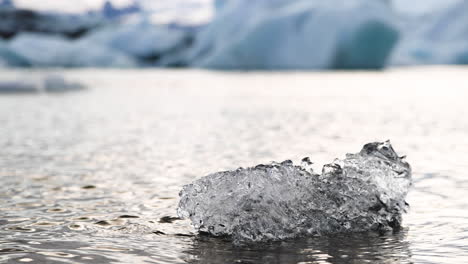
[[364, 191]]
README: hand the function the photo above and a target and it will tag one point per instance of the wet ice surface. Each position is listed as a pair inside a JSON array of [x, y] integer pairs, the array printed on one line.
[[76, 169], [278, 201]]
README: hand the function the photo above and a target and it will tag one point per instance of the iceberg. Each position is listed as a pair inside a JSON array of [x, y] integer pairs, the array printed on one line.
[[439, 39], [88, 54], [365, 191], [219, 4], [41, 50], [243, 35], [8, 58], [15, 21], [111, 12], [300, 34], [122, 46], [141, 40]]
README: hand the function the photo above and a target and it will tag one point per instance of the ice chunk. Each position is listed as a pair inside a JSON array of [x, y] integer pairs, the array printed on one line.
[[52, 83], [364, 191], [57, 84], [300, 34]]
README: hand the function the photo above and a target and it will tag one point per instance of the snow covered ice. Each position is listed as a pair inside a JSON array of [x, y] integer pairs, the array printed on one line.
[[364, 191]]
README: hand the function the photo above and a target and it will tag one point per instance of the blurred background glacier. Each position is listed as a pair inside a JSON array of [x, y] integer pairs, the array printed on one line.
[[233, 34]]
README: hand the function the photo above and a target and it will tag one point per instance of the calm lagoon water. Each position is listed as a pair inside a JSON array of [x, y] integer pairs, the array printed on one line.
[[93, 176]]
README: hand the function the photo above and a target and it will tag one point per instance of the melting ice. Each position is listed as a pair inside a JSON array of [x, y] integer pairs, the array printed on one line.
[[365, 191]]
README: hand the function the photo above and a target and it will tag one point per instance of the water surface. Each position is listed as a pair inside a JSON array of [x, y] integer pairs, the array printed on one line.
[[93, 176]]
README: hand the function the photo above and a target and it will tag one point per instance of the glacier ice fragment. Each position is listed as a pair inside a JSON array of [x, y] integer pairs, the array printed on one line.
[[365, 191]]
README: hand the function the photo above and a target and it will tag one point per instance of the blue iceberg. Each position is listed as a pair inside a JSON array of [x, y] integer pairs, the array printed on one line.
[[300, 34], [244, 35], [109, 11], [16, 20], [141, 40], [8, 58], [439, 39], [41, 50]]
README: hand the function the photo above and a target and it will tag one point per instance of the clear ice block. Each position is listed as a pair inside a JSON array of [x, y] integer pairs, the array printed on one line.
[[365, 191]]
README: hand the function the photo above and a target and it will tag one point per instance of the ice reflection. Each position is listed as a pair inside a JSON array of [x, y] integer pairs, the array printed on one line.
[[336, 249]]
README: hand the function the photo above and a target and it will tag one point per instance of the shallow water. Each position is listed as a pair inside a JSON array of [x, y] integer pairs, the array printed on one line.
[[93, 176]]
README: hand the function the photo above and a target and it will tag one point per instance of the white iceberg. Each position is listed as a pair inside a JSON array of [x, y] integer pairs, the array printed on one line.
[[441, 38], [53, 51], [299, 34], [365, 191]]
